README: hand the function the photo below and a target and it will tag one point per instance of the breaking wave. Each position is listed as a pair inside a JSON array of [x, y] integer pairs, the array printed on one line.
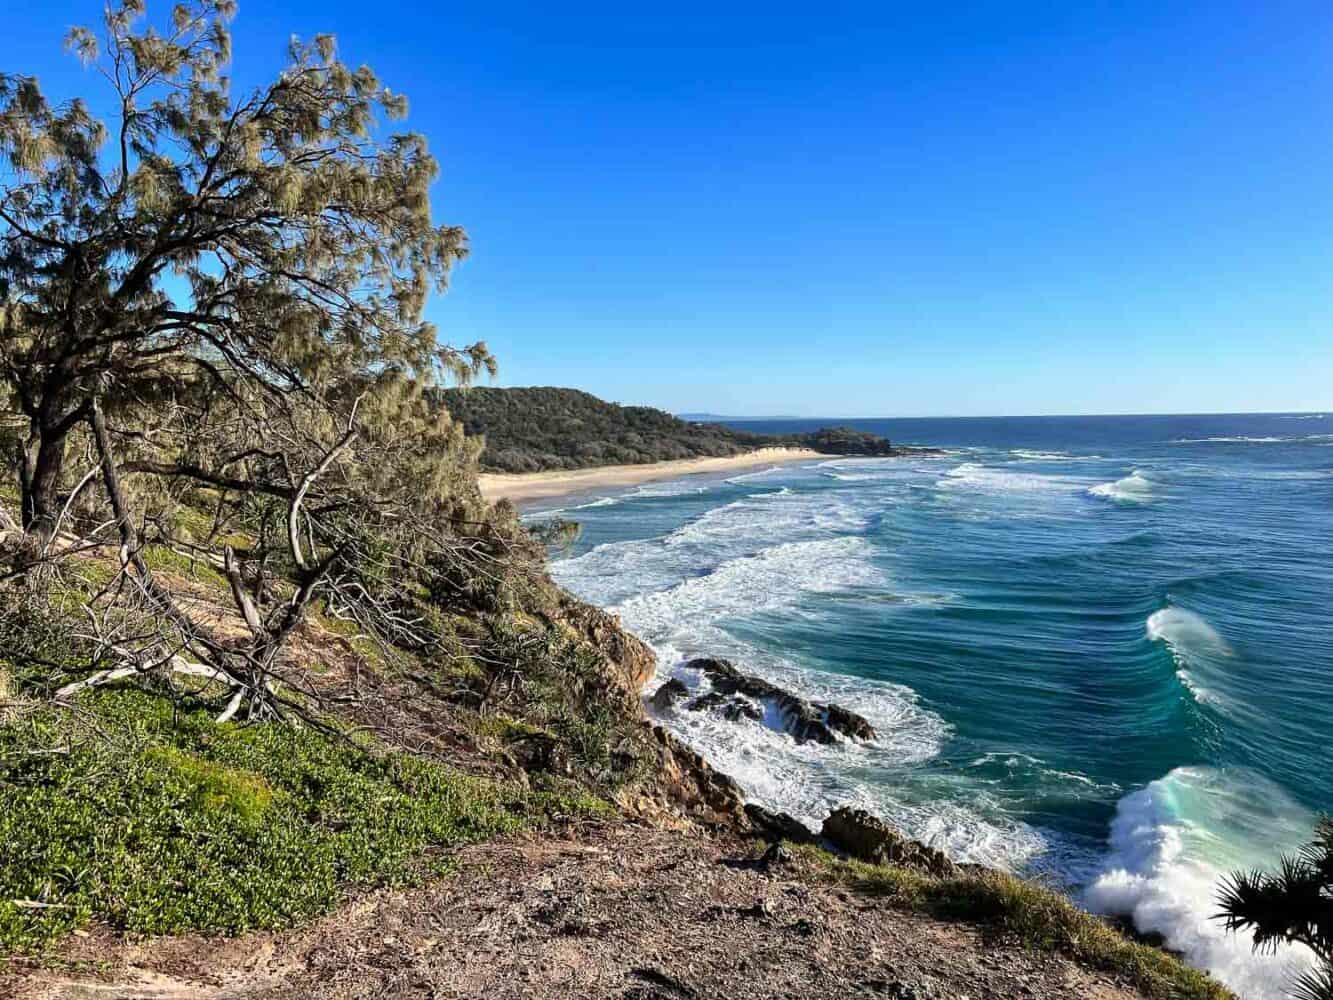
[[1199, 653], [1134, 488], [973, 475], [1172, 841]]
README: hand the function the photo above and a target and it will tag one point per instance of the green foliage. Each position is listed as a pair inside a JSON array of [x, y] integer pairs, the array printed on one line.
[[530, 430], [546, 687], [1294, 903], [1029, 914], [158, 821]]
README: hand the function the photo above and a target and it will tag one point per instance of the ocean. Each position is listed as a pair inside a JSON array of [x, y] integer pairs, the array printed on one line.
[[1097, 649]]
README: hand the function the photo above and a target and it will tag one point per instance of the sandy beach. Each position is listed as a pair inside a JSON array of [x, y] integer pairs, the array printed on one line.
[[528, 487]]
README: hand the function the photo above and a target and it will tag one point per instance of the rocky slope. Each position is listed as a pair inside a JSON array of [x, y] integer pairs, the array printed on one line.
[[620, 911]]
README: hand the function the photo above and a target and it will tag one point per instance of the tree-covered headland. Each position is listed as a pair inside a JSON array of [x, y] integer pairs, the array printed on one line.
[[541, 428]]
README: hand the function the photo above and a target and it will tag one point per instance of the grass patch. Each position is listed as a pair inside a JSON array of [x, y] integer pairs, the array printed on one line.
[[159, 821], [167, 560], [1029, 914]]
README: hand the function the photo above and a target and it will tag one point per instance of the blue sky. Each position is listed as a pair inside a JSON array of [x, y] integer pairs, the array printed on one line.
[[850, 209]]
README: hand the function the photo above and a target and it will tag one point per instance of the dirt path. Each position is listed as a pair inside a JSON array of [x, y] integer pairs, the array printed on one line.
[[626, 912]]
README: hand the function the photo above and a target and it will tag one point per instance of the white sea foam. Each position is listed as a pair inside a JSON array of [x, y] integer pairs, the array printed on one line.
[[757, 474], [670, 489], [612, 572], [1134, 488], [973, 475], [811, 780], [1042, 456], [773, 578], [1232, 439], [1171, 842]]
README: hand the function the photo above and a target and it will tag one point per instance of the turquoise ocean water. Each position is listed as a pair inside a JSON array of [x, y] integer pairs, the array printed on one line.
[[1098, 650]]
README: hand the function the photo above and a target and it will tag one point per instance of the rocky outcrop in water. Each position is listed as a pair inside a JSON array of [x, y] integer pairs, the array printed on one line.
[[666, 697], [736, 696]]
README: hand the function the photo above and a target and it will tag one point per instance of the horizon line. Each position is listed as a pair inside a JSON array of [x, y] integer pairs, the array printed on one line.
[[1012, 416]]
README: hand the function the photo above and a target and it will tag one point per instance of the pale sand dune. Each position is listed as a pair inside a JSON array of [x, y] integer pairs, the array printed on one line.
[[527, 487]]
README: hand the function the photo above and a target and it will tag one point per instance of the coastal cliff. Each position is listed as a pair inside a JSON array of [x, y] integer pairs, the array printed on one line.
[[509, 816], [672, 887]]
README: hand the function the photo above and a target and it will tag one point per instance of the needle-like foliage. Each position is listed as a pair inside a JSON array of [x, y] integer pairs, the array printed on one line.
[[268, 249]]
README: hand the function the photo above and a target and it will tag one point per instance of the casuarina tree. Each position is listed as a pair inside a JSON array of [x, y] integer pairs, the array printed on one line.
[[217, 297], [265, 245]]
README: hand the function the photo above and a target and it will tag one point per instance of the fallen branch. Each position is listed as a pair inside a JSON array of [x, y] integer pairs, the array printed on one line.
[[177, 665]]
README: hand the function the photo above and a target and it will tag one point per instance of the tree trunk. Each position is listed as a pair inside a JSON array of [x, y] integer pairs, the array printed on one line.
[[41, 486]]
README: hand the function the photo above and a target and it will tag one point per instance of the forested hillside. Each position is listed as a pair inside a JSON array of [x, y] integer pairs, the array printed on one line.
[[539, 428], [528, 430]]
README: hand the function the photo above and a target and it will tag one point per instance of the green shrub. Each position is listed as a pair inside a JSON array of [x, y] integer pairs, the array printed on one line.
[[159, 821]]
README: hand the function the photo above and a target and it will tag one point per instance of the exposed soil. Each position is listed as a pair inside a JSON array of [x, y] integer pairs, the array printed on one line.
[[623, 911]]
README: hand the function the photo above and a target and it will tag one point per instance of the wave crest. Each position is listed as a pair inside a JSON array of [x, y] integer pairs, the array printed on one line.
[[1134, 488]]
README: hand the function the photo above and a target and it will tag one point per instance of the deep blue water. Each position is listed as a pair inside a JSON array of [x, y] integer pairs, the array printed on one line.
[[1096, 648]]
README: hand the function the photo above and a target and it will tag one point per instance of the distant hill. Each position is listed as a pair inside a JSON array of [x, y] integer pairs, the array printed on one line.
[[540, 428]]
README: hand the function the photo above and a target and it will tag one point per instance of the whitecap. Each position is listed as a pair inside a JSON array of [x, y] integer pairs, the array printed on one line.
[[973, 475], [757, 474], [1230, 439], [1170, 844], [1042, 456], [1134, 488]]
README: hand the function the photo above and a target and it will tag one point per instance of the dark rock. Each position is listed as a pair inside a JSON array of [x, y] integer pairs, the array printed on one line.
[[540, 752], [779, 824], [806, 721], [869, 838], [733, 708], [664, 698], [847, 722]]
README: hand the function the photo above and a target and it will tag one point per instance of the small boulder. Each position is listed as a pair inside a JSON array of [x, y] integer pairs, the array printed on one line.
[[869, 838], [664, 698], [541, 752], [781, 825]]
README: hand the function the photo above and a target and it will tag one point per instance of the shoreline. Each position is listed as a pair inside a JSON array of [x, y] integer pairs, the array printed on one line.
[[528, 487]]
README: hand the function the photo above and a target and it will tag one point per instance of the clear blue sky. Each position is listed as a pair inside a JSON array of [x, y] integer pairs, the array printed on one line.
[[847, 209]]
